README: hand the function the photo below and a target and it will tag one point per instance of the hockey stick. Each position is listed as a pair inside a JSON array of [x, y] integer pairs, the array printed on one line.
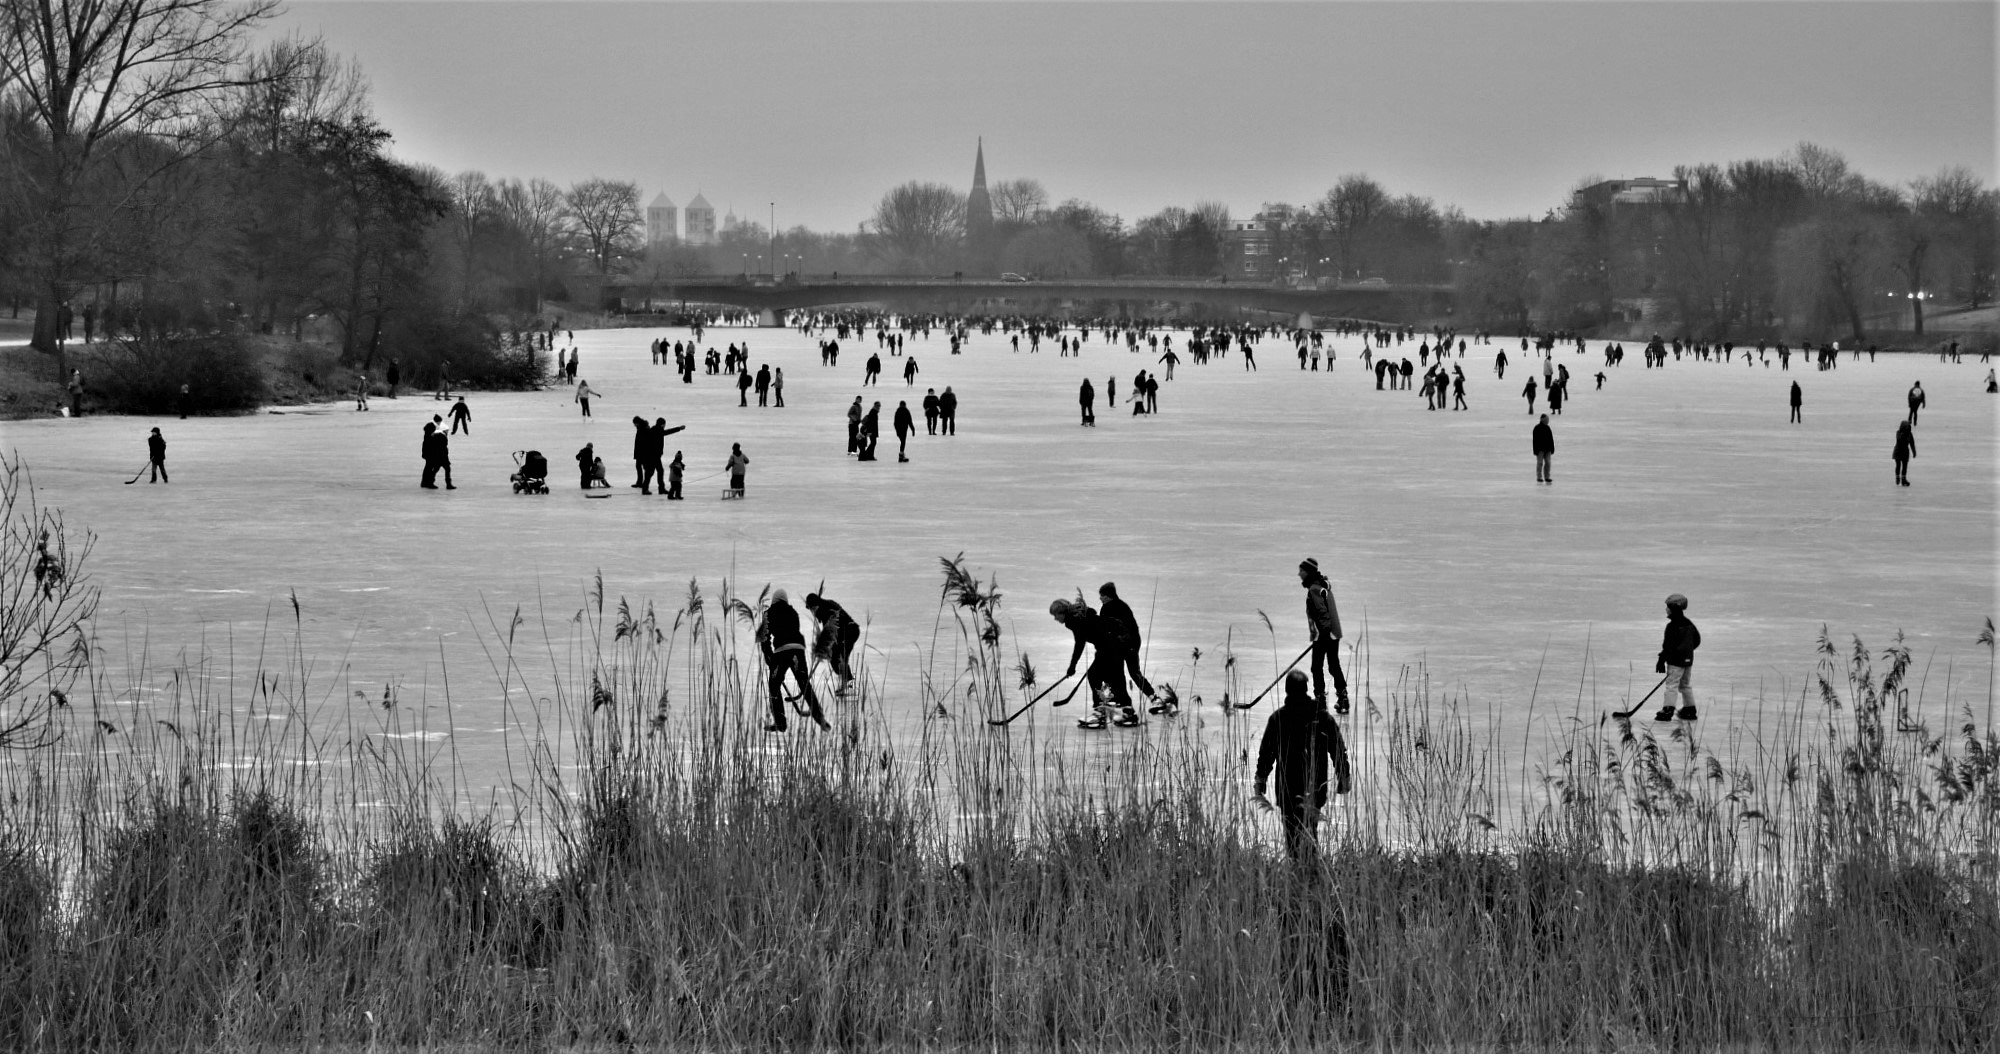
[[1009, 719], [1274, 683], [141, 472], [1640, 703]]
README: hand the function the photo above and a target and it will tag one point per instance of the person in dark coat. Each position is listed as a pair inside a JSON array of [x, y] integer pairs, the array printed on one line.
[[1544, 445], [1905, 449], [905, 425], [1323, 626], [1106, 672], [948, 412], [871, 432], [854, 412], [1301, 743], [156, 457], [743, 383], [1086, 397], [1676, 660], [395, 376], [784, 649], [764, 385], [835, 639], [674, 470], [1916, 400], [1798, 400], [1119, 614], [930, 411], [640, 430], [1529, 393]]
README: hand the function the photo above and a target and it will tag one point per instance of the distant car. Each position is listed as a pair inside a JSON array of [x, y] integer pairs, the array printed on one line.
[[1373, 281], [1012, 277]]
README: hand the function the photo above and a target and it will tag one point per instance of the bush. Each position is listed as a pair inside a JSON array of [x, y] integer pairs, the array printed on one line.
[[143, 375], [472, 344]]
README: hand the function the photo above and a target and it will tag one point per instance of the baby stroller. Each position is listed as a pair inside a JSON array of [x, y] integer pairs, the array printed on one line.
[[531, 475]]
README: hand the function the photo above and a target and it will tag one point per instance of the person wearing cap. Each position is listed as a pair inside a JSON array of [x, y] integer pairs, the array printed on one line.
[[1323, 626], [835, 639], [156, 457], [1544, 444], [784, 649], [1301, 742], [1106, 672], [1677, 647]]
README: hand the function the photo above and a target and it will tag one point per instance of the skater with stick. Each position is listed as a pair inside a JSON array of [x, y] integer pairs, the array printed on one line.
[[156, 457], [1126, 627], [835, 639], [784, 649], [1106, 672], [1676, 660], [1323, 626], [1301, 741]]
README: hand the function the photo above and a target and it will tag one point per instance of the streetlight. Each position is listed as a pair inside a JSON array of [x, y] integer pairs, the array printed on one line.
[[774, 239]]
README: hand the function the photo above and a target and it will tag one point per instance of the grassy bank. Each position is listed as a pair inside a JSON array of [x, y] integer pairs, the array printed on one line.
[[216, 869]]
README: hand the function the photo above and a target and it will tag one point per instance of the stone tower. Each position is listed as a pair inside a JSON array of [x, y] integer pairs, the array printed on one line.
[[662, 220], [981, 254]]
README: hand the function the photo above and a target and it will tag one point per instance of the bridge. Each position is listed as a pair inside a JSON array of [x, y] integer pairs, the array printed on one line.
[[1377, 301]]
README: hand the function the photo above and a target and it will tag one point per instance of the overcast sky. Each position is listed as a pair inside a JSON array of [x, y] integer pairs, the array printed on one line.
[[1497, 107]]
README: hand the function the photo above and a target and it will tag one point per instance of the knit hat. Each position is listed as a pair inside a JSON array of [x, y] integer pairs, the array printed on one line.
[[1310, 566], [812, 600], [1677, 602], [1108, 589]]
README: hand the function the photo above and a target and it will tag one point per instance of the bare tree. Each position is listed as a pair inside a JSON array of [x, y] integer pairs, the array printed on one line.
[[87, 74], [1019, 201], [919, 223], [473, 205], [535, 211], [605, 213]]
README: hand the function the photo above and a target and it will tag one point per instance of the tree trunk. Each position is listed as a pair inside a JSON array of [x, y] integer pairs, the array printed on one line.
[[1917, 313]]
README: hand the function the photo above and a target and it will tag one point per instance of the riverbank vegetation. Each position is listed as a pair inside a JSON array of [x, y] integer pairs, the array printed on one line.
[[211, 851]]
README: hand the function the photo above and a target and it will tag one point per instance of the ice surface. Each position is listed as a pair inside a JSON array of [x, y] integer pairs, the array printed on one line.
[[1441, 547]]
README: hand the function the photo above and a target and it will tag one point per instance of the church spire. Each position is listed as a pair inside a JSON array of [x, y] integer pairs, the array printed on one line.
[[980, 250]]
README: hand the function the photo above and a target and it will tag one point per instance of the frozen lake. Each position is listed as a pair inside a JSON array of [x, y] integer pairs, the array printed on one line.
[[1437, 539]]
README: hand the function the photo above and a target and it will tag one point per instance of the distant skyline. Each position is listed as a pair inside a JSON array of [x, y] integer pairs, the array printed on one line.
[[1493, 106]]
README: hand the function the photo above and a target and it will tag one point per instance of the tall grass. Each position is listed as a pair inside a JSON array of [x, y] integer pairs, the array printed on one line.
[[251, 871]]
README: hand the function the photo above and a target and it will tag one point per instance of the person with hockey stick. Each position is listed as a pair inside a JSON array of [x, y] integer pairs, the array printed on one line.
[[1106, 672], [1676, 659], [784, 648], [1323, 627], [835, 639], [1301, 742], [1126, 627]]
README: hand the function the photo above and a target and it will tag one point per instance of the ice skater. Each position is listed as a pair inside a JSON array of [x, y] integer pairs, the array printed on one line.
[[1301, 743], [905, 426], [1798, 400], [835, 637], [784, 648], [461, 417], [156, 458], [1916, 401], [1106, 672], [1323, 627], [583, 396], [1905, 449], [737, 466], [1126, 626], [1676, 660], [1086, 398]]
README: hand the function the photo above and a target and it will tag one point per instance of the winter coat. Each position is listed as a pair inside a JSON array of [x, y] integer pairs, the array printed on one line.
[[1678, 643], [1545, 439], [1321, 614], [1300, 740]]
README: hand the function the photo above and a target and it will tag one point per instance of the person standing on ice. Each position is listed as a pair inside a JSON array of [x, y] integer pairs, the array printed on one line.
[[1529, 394], [1916, 400], [948, 412], [854, 426], [1798, 400], [835, 639], [784, 649], [583, 396], [1106, 672], [1301, 743], [1126, 626], [905, 425], [930, 411], [1905, 449], [1323, 627], [873, 369], [156, 457], [461, 417], [1676, 660], [1086, 398], [739, 463], [1543, 443]]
